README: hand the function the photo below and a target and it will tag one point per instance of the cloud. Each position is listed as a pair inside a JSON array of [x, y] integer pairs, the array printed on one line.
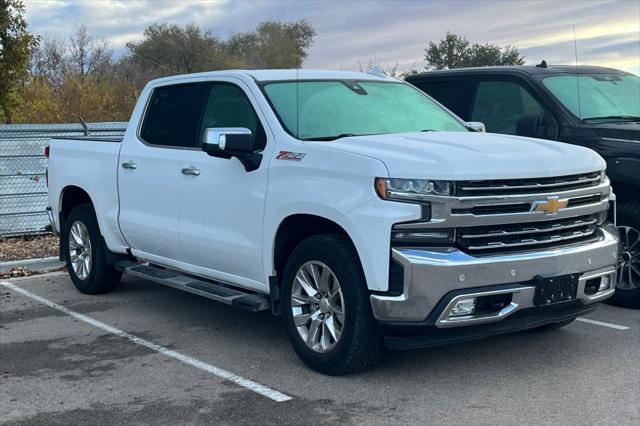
[[393, 32]]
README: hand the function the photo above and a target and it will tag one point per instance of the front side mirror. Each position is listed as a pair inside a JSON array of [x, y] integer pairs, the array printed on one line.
[[477, 126], [232, 139], [228, 142]]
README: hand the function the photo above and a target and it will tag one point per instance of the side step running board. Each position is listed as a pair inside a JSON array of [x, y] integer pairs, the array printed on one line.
[[211, 290]]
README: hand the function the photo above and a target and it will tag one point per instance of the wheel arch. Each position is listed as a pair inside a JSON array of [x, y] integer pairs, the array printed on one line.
[[296, 228], [71, 196]]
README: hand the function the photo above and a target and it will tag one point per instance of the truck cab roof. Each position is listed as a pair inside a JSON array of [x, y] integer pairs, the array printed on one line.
[[531, 70], [281, 75]]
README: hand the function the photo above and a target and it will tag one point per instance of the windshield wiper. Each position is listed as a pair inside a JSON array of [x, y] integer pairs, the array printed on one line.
[[613, 117], [330, 138]]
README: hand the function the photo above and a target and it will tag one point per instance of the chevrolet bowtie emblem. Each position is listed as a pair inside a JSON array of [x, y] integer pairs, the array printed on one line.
[[549, 206]]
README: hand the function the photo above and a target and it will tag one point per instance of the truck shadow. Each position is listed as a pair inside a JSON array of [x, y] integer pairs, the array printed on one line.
[[493, 361]]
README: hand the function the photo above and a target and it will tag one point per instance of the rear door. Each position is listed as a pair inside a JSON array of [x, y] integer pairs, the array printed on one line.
[[222, 210], [149, 173]]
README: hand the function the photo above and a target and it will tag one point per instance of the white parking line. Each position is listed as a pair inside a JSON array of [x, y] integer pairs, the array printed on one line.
[[602, 323], [219, 372]]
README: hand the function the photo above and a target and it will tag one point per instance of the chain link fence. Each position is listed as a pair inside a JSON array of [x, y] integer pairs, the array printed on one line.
[[23, 187]]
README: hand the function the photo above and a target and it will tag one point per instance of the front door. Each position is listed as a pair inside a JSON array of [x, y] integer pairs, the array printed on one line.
[[222, 204]]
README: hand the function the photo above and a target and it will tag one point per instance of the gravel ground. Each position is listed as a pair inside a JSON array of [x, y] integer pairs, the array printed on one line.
[[28, 247]]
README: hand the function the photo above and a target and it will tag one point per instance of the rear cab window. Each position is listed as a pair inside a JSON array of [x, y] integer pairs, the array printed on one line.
[[173, 115]]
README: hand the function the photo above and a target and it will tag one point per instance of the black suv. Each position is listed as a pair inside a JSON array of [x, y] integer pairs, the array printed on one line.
[[584, 105]]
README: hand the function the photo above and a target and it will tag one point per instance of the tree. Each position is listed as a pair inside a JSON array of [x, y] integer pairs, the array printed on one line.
[[87, 56], [457, 52], [174, 49], [273, 44], [16, 44], [49, 61]]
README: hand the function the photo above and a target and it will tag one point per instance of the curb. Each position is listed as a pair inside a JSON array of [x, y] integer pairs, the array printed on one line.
[[33, 265]]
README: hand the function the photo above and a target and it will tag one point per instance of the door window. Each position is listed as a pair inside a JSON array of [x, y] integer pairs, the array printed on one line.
[[451, 94], [228, 106], [502, 105], [173, 115]]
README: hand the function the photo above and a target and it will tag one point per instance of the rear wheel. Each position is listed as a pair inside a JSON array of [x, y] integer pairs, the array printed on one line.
[[327, 310], [85, 253], [628, 278]]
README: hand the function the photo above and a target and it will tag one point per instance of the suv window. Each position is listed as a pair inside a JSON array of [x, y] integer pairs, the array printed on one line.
[[500, 105], [173, 115], [228, 106]]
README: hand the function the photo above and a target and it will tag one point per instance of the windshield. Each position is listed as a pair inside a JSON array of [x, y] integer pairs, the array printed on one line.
[[327, 110], [606, 96]]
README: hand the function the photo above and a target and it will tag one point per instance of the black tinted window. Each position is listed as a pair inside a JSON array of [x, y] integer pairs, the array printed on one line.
[[173, 115], [451, 94], [502, 105], [228, 106]]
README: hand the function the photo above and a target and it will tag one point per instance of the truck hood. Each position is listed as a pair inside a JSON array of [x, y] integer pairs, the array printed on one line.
[[468, 156]]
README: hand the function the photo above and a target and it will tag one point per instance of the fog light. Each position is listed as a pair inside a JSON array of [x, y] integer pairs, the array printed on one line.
[[464, 307], [604, 283]]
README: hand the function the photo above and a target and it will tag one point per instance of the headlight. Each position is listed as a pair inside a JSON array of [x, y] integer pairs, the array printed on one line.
[[410, 189], [420, 237]]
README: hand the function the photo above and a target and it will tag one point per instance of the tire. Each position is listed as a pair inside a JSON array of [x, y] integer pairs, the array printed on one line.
[[628, 292], [553, 326], [360, 344], [94, 276]]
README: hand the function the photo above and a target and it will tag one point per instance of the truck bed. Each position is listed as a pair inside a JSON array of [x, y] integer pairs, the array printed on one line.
[[93, 166]]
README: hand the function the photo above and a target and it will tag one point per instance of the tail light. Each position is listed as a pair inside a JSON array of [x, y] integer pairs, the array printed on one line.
[[46, 171]]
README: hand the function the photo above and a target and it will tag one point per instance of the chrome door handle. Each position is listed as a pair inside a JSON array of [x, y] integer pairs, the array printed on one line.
[[129, 165], [191, 171]]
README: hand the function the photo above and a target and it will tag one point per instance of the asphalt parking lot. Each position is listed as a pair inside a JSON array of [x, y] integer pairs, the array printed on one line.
[[150, 354]]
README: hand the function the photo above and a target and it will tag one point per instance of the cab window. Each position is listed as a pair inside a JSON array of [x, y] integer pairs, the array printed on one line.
[[172, 115], [502, 105], [228, 106]]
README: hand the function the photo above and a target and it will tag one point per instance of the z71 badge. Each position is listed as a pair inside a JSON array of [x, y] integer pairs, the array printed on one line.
[[288, 155]]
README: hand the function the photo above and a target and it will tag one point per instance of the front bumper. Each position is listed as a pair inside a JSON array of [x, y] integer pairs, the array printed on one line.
[[423, 336], [432, 278]]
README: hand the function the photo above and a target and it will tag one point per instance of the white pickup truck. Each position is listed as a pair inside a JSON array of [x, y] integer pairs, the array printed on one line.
[[357, 207]]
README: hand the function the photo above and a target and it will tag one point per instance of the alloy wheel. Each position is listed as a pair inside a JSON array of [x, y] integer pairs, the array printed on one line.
[[80, 250], [629, 259], [317, 305]]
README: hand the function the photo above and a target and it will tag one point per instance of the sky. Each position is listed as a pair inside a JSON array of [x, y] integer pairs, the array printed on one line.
[[351, 32]]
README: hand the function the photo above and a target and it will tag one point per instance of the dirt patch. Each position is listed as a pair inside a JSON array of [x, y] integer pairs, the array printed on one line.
[[28, 247]]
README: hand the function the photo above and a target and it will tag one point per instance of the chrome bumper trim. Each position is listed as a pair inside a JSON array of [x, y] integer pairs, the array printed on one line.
[[430, 274], [522, 299]]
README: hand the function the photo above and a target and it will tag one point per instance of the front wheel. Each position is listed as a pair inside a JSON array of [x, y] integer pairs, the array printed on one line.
[[85, 253], [628, 280], [327, 310]]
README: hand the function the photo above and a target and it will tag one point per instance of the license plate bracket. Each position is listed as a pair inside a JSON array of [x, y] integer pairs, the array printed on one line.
[[552, 290]]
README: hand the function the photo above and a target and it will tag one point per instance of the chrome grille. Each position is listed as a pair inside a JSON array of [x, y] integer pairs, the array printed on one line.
[[526, 186], [523, 236]]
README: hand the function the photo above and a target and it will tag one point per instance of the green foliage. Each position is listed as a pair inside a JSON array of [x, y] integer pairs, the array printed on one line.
[[457, 52], [273, 44], [78, 77], [15, 46], [174, 49]]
